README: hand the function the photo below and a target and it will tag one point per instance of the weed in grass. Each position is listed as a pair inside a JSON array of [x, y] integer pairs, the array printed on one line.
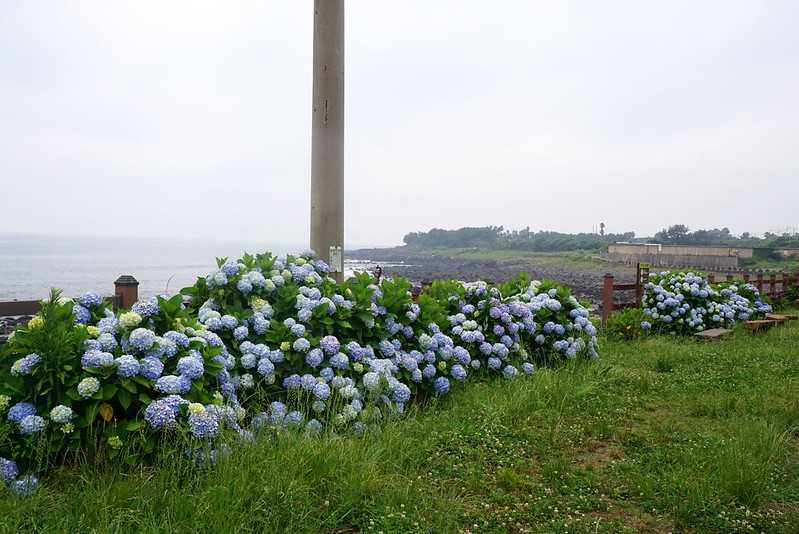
[[745, 463], [663, 365]]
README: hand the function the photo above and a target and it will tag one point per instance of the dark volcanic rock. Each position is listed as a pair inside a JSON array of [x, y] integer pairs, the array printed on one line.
[[423, 266]]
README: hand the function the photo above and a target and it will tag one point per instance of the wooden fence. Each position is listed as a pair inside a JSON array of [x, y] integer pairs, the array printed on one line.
[[126, 293], [772, 284]]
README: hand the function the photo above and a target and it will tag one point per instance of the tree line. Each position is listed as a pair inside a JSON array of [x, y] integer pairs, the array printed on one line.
[[499, 238]]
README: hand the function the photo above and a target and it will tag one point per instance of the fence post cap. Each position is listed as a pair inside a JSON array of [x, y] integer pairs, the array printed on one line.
[[608, 275], [126, 280]]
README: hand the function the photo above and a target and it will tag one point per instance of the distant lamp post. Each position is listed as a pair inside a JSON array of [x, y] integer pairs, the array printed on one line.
[[327, 145]]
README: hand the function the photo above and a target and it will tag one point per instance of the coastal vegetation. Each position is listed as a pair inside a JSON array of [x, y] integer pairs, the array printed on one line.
[[499, 238], [258, 344]]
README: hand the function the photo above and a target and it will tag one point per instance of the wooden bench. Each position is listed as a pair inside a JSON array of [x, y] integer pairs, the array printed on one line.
[[781, 317], [713, 333], [763, 324]]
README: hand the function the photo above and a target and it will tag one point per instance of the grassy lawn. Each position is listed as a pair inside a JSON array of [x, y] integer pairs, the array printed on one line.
[[658, 435]]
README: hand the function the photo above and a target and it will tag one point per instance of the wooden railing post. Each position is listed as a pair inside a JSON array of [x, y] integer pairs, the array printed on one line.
[[607, 297], [126, 290], [711, 278], [773, 284], [759, 282], [746, 278]]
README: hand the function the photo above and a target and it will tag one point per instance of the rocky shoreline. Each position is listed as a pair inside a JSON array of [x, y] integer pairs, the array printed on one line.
[[423, 266]]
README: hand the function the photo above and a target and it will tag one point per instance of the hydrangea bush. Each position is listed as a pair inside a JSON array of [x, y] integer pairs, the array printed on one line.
[[261, 343], [685, 303]]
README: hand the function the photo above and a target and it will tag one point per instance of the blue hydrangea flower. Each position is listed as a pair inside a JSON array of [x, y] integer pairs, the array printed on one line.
[[249, 360], [204, 425], [229, 322], [277, 356], [458, 372], [429, 371], [173, 385], [81, 314], [147, 308], [401, 393], [25, 486], [91, 344], [142, 339], [321, 391], [190, 367], [494, 363], [20, 411], [90, 299], [259, 324], [179, 339], [244, 286], [528, 368], [308, 382], [32, 424], [151, 368], [24, 366], [510, 371], [159, 414], [292, 382], [330, 345], [277, 411], [265, 367], [241, 332], [96, 359], [314, 357], [327, 374], [339, 361], [298, 330], [441, 385], [8, 470], [386, 348], [294, 419], [301, 345]]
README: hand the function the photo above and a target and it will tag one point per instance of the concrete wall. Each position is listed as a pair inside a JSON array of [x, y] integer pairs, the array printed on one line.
[[787, 252], [679, 250], [678, 255], [678, 260]]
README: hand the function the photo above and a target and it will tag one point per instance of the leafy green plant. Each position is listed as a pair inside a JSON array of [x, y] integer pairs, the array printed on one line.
[[625, 324]]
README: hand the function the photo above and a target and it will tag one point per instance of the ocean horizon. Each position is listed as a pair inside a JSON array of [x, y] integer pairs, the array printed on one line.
[[32, 264]]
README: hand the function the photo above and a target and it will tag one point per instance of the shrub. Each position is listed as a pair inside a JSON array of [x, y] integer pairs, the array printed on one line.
[[261, 343], [626, 324], [685, 303]]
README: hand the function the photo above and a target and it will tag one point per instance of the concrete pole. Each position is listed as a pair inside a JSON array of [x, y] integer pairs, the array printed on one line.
[[327, 150]]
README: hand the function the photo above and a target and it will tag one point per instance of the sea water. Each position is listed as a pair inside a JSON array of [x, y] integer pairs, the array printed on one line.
[[31, 265]]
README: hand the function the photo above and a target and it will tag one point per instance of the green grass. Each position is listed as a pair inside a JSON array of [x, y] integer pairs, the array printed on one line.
[[659, 434]]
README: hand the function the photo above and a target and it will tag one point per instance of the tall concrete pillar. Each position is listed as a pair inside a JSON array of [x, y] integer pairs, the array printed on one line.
[[327, 150]]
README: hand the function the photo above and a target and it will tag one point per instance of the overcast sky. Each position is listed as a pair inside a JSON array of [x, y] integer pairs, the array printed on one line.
[[192, 119]]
